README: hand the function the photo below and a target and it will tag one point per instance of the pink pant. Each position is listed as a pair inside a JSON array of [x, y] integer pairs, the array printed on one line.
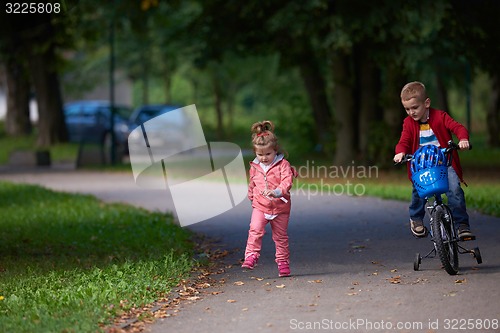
[[279, 226]]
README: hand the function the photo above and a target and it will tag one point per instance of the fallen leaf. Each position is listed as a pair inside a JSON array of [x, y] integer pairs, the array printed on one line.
[[257, 278], [216, 292], [193, 298], [315, 281], [239, 283], [355, 283], [460, 281], [394, 270], [231, 301], [351, 294], [395, 279], [244, 309], [280, 286]]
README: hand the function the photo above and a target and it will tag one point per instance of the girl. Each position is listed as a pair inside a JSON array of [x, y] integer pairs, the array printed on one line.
[[271, 177]]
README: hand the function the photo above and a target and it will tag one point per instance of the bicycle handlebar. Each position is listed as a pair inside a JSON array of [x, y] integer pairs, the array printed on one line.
[[451, 146]]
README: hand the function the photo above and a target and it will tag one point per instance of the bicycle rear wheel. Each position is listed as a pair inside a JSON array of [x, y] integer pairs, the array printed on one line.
[[446, 246]]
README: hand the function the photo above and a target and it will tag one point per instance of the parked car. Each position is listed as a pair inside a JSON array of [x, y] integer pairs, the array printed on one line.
[[169, 134], [147, 112], [90, 122]]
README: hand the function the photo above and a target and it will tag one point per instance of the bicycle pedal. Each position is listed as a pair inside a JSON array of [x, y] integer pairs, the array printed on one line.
[[467, 238]]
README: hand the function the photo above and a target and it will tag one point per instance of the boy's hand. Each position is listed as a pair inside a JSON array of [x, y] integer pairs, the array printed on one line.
[[398, 157], [464, 144]]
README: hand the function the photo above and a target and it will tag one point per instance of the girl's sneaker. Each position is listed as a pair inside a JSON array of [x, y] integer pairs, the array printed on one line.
[[283, 268], [250, 261]]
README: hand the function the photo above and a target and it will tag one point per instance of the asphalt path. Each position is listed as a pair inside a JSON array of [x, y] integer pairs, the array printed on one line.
[[351, 261]]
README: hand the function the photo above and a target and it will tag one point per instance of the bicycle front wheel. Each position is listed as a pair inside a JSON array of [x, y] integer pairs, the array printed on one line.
[[446, 246]]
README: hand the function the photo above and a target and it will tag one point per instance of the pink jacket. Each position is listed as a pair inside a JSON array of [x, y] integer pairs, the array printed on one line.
[[280, 175]]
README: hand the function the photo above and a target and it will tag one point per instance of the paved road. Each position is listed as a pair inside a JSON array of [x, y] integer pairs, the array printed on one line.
[[352, 265]]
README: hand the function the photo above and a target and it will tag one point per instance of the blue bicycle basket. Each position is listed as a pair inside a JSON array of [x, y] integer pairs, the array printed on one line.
[[429, 171]]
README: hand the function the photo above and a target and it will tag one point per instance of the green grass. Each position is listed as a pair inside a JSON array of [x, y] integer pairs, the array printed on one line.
[[69, 263], [481, 194], [484, 198], [63, 152]]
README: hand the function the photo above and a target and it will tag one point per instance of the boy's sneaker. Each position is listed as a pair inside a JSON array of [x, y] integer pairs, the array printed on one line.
[[418, 229], [250, 261], [464, 233], [283, 268]]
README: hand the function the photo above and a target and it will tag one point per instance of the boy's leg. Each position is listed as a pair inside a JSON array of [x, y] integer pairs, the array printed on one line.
[[456, 202], [255, 233], [417, 214]]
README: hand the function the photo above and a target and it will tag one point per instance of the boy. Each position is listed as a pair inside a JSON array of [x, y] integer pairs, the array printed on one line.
[[423, 126]]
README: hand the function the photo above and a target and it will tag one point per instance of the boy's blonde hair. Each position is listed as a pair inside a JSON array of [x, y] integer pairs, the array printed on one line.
[[414, 89], [263, 135]]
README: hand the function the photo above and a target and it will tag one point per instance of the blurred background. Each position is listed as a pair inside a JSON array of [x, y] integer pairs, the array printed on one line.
[[327, 72]]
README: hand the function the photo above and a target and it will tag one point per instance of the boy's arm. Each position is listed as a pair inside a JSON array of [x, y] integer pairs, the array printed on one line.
[[405, 143], [458, 129]]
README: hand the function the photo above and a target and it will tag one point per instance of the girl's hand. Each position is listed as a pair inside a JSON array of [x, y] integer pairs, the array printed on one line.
[[269, 193]]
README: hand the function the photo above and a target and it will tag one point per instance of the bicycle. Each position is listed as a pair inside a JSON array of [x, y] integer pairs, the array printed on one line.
[[430, 178]]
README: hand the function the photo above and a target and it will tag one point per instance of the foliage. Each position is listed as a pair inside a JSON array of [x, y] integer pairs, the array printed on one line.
[[70, 263], [174, 51]]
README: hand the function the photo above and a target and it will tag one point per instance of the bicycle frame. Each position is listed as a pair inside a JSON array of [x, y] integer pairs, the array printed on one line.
[[448, 218], [443, 233]]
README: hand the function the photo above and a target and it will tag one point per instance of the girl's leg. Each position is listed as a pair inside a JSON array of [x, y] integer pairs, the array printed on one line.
[[257, 230], [279, 226]]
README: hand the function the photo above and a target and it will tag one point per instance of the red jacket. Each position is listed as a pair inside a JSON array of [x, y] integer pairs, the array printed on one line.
[[280, 175], [442, 125]]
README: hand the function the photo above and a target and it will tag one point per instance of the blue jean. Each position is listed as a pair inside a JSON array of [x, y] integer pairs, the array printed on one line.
[[456, 201]]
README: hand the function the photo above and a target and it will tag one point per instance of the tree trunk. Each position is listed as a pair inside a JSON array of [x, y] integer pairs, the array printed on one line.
[[393, 110], [368, 101], [167, 81], [493, 113], [145, 78], [442, 95], [218, 107], [51, 123], [344, 110], [316, 89], [17, 120]]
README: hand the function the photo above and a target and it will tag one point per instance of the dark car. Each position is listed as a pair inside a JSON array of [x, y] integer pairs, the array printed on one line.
[[147, 112], [167, 133], [90, 122]]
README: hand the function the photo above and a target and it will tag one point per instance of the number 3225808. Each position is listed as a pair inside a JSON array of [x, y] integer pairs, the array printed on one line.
[[32, 8]]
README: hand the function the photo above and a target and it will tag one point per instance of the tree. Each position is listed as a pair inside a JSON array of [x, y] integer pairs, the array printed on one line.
[[476, 30], [18, 85], [29, 46], [257, 28], [17, 122]]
